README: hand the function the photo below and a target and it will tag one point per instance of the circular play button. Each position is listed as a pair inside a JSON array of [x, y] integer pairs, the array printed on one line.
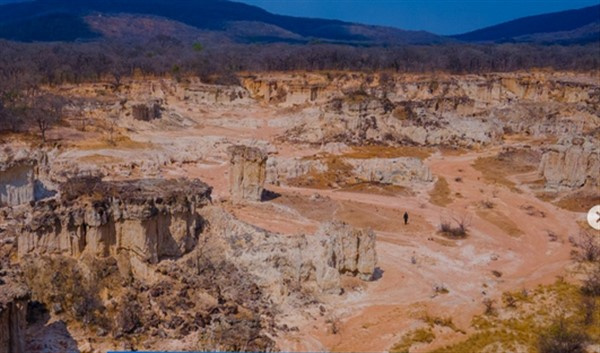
[[593, 217]]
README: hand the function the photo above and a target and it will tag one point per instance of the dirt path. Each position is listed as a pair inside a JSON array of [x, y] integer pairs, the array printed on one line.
[[414, 258]]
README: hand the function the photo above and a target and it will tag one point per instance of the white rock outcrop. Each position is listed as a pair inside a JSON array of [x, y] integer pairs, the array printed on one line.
[[247, 174], [149, 220], [344, 250], [404, 171], [283, 263], [571, 164], [281, 169]]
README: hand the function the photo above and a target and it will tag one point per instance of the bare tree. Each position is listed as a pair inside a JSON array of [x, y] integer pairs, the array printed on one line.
[[45, 110]]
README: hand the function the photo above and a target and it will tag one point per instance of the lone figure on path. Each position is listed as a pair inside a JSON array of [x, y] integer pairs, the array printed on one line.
[[405, 218]]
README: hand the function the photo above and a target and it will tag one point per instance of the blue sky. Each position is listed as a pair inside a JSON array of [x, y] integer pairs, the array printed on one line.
[[438, 16]]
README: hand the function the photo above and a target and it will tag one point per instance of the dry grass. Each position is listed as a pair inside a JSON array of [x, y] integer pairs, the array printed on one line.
[[453, 152], [496, 170], [579, 202], [367, 152], [501, 221], [522, 323], [441, 194], [338, 173], [379, 189], [546, 196], [27, 137], [120, 141], [100, 159], [418, 336]]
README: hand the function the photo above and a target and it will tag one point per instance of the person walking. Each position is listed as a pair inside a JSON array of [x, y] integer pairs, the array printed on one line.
[[405, 218]]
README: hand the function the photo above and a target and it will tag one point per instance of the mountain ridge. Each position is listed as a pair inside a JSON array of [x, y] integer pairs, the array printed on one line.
[[531, 28], [224, 21], [18, 20]]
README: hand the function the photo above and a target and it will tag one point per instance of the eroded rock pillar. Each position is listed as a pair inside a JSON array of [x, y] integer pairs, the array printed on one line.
[[247, 173]]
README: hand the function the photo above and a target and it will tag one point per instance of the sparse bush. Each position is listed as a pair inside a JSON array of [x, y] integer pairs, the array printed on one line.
[[128, 316], [588, 246], [457, 230], [552, 236], [421, 335], [560, 338], [591, 285], [489, 306], [440, 288], [509, 300], [589, 308], [487, 204]]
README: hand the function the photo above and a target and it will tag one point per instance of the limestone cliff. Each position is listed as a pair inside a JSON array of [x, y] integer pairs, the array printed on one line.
[[345, 250], [286, 264], [457, 110], [281, 169], [14, 298], [402, 171], [152, 259], [149, 219], [17, 177], [571, 164]]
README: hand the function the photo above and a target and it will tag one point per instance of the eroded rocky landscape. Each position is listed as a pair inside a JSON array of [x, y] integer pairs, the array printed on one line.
[[166, 214]]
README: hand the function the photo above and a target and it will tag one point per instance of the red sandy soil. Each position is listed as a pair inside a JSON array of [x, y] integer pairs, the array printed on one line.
[[375, 317]]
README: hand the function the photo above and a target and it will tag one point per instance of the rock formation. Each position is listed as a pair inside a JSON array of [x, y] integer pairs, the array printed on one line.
[[17, 182], [345, 250], [22, 170], [359, 119], [247, 173], [571, 164], [404, 171], [280, 170], [191, 268], [466, 111], [148, 219], [14, 299], [146, 112], [285, 264]]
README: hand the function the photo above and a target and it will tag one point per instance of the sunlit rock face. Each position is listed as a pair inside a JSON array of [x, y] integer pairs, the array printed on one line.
[[571, 164], [248, 171], [149, 219]]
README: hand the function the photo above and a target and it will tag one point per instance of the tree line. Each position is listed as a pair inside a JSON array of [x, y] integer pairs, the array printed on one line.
[[26, 66]]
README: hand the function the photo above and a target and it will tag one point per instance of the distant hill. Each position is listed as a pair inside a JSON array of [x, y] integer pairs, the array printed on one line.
[[566, 27], [218, 20]]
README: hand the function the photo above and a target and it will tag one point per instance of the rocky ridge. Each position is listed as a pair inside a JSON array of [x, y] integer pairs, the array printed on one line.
[[571, 164], [162, 238]]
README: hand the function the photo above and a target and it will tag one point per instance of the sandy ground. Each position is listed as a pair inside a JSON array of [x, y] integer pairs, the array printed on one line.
[[375, 317], [412, 258]]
